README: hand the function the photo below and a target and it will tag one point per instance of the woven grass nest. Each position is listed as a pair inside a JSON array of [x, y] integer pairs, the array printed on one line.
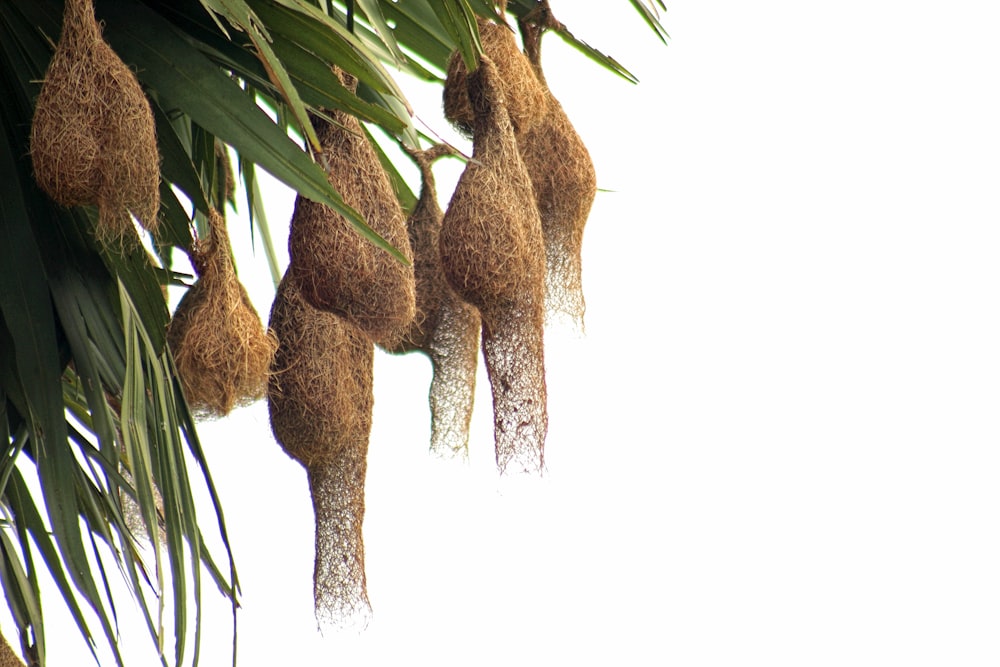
[[319, 390], [524, 94], [445, 327], [494, 257], [334, 267], [93, 138], [564, 182], [320, 403], [222, 352], [8, 657]]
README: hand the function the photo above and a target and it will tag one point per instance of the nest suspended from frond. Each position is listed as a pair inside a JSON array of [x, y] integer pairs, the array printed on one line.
[[93, 138], [222, 352], [494, 257], [445, 327], [524, 94], [319, 390], [564, 182], [334, 267], [320, 403]]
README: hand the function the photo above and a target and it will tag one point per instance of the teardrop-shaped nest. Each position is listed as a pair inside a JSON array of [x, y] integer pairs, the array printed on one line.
[[493, 255], [93, 138], [490, 240], [334, 267], [564, 182], [222, 352], [446, 328], [524, 94], [320, 387]]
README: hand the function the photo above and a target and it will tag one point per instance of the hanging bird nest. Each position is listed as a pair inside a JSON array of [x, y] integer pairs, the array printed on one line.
[[319, 391], [335, 268], [493, 256], [93, 138], [524, 94], [445, 327], [320, 402], [564, 182], [220, 348]]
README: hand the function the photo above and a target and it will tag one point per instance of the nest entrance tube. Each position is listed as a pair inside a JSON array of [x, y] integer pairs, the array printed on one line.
[[339, 585], [494, 257], [93, 138]]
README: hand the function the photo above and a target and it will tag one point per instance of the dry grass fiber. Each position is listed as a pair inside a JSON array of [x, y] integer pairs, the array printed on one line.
[[222, 352], [525, 95], [8, 657], [494, 257], [320, 402], [93, 139], [320, 388], [340, 588], [564, 181], [445, 327], [226, 185], [334, 267]]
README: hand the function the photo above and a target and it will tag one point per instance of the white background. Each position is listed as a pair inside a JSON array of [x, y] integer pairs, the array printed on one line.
[[778, 441]]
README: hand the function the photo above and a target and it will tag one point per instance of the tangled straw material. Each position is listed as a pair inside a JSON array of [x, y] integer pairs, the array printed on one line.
[[334, 267], [494, 257], [320, 388], [93, 138], [320, 402], [8, 657], [564, 182], [222, 352], [340, 588], [445, 327], [225, 187], [524, 94]]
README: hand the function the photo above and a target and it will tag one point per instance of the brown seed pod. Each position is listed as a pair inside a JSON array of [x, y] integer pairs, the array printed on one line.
[[320, 402], [220, 348], [445, 328], [524, 94], [493, 256], [563, 178], [93, 139], [334, 267]]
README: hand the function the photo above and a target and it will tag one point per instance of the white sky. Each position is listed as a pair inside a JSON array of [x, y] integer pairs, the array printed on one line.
[[778, 442]]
